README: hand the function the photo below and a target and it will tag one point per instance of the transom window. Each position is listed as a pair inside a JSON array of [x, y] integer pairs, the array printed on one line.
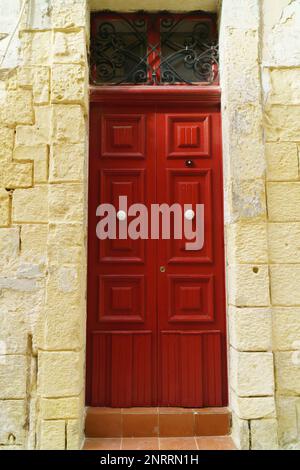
[[160, 49]]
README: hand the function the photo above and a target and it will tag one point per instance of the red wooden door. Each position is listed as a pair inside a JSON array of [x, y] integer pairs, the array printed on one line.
[[191, 287], [156, 312]]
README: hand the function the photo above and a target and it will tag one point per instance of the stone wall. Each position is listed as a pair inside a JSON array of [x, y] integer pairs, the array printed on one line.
[[281, 92], [43, 188], [43, 180], [260, 53]]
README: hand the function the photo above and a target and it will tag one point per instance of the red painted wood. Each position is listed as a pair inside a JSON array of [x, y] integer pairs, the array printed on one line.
[[156, 338]]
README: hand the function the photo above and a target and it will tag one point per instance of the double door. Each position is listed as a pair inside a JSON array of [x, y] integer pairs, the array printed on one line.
[[156, 310]]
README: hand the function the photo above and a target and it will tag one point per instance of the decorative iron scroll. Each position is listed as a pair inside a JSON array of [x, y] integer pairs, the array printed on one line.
[[184, 50]]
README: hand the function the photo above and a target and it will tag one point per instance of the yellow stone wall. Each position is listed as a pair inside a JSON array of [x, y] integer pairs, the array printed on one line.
[[43, 210], [43, 180], [260, 64]]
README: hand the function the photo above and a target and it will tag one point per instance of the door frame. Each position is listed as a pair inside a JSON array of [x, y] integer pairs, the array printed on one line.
[[208, 96]]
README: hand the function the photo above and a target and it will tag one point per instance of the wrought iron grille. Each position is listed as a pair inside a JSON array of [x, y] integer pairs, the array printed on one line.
[[153, 49]]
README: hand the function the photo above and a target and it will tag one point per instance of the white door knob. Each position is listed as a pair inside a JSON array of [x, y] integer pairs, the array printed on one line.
[[189, 214], [121, 215]]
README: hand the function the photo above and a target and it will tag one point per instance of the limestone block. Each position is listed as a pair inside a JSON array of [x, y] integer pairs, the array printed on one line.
[[68, 84], [283, 201], [286, 328], [250, 328], [19, 284], [60, 374], [13, 422], [63, 329], [9, 249], [248, 199], [288, 430], [285, 284], [240, 432], [282, 123], [68, 124], [27, 303], [254, 407], [66, 243], [284, 86], [6, 143], [67, 162], [13, 373], [287, 369], [36, 47], [281, 33], [4, 208], [66, 203], [34, 243], [251, 373], [13, 332], [30, 205], [242, 140], [64, 280], [282, 161], [233, 17], [39, 17], [69, 14], [39, 133], [17, 108], [248, 285], [69, 47], [16, 175], [284, 242], [247, 243], [74, 434], [60, 408], [39, 155], [9, 245], [264, 434], [37, 78], [245, 43], [52, 435]]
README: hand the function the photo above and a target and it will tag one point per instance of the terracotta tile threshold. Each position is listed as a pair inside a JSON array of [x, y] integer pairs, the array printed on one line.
[[160, 443], [157, 422]]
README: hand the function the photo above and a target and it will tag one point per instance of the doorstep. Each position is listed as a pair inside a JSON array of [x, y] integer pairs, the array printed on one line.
[[156, 422], [160, 443]]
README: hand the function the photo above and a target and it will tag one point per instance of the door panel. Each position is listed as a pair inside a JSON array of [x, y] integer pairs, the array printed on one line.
[[156, 311], [187, 134], [190, 186], [115, 183], [121, 290], [191, 288], [191, 369]]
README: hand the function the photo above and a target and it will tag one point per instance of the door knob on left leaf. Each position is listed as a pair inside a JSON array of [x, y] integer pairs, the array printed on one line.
[[121, 215]]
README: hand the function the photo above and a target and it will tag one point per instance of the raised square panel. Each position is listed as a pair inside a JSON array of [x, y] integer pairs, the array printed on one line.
[[123, 136], [191, 298], [121, 298], [191, 187], [188, 135], [115, 183]]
